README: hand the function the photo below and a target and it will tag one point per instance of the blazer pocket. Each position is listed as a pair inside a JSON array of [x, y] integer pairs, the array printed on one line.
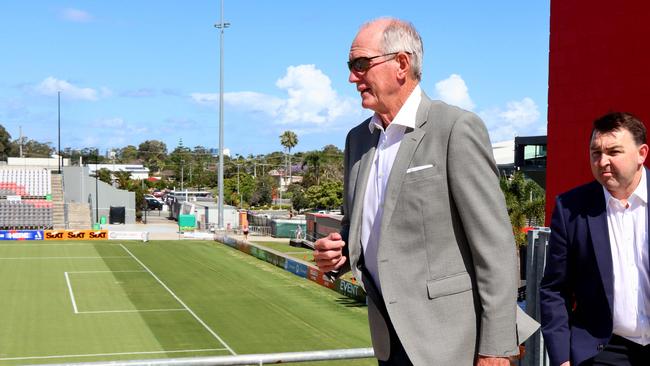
[[449, 285], [420, 174]]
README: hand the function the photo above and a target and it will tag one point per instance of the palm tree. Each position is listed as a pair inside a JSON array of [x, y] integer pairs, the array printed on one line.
[[289, 139], [313, 160], [525, 202]]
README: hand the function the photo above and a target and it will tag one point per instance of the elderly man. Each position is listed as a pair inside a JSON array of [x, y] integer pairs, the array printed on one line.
[[595, 294], [425, 226]]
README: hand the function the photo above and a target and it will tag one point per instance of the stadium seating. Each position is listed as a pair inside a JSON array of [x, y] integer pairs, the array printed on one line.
[[23, 203]]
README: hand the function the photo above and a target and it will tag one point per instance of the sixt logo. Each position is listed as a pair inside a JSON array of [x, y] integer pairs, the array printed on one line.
[[76, 235], [98, 235], [54, 235]]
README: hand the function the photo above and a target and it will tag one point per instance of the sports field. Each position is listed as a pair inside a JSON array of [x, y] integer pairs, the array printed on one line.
[[88, 301]]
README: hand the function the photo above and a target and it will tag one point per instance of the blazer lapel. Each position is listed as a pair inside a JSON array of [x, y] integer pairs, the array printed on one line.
[[407, 148], [597, 220], [361, 181]]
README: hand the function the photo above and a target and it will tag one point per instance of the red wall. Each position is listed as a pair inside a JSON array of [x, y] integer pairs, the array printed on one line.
[[599, 62]]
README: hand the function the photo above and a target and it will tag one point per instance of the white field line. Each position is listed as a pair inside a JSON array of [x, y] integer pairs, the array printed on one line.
[[112, 354], [74, 303], [181, 302], [108, 271], [128, 311], [35, 258]]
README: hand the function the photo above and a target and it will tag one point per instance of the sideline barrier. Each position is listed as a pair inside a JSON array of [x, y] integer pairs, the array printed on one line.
[[197, 235], [128, 235], [21, 234], [76, 235], [295, 266]]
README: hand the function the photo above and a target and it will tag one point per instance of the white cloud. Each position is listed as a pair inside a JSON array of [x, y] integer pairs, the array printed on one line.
[[522, 112], [112, 122], [50, 86], [453, 90], [310, 99], [518, 118], [76, 15]]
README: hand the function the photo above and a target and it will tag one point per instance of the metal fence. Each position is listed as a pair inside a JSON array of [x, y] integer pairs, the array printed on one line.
[[257, 359], [535, 261]]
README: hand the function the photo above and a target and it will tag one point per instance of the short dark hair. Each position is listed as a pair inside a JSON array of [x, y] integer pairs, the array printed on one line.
[[615, 121]]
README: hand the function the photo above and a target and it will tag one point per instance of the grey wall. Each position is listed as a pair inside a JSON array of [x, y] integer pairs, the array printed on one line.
[[79, 187]]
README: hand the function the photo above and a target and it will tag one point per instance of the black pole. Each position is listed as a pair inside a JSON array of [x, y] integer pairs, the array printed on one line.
[[96, 186], [59, 131]]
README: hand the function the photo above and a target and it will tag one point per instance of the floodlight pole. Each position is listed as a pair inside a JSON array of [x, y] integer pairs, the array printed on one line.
[[221, 26], [59, 131]]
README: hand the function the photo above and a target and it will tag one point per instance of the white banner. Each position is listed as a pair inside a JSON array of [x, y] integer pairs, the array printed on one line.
[[198, 235], [128, 235]]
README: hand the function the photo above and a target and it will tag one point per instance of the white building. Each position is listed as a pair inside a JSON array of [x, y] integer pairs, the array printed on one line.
[[138, 171]]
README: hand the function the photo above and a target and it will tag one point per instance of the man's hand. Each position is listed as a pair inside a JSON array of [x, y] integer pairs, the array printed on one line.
[[328, 252], [492, 361], [567, 363]]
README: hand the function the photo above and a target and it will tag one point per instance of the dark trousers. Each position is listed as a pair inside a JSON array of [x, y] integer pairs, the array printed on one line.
[[621, 352], [398, 356]]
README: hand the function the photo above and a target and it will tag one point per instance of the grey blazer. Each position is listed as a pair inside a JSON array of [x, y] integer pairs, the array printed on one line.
[[446, 254]]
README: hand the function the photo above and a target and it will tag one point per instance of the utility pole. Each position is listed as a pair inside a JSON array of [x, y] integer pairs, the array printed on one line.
[[221, 26], [20, 140], [238, 191], [182, 173]]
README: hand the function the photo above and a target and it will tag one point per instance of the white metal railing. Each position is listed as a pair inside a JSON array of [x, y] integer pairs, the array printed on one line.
[[255, 359]]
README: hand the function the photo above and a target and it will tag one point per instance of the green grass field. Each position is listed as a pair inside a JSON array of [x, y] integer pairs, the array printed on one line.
[[87, 301]]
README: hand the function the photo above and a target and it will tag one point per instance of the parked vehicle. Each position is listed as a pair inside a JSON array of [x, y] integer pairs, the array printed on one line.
[[153, 204]]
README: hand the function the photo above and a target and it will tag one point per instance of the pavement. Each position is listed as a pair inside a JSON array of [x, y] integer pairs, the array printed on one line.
[[160, 227]]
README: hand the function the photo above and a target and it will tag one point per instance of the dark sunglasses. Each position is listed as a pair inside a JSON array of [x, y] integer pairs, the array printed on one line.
[[363, 64]]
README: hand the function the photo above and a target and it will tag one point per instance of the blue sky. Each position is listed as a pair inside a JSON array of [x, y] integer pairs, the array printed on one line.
[[131, 71]]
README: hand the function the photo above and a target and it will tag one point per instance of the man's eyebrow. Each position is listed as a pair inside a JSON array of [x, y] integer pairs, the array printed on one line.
[[596, 147]]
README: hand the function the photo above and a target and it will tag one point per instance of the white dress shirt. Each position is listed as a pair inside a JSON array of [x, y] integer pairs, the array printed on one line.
[[628, 237], [373, 202]]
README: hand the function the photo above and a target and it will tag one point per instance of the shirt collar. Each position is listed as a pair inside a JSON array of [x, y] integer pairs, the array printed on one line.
[[640, 193], [406, 115]]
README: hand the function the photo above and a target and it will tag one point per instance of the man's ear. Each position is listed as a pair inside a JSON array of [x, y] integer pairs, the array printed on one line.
[[404, 62], [643, 153]]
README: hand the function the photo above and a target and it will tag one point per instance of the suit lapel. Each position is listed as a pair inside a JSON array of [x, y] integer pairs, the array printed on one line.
[[598, 229], [407, 148], [370, 145]]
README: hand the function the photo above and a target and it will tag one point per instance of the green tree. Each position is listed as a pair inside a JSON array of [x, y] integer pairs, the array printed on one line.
[[525, 201], [328, 195], [124, 180], [5, 143], [289, 140], [127, 154], [153, 153], [263, 194], [31, 148], [296, 193], [181, 161], [105, 175], [313, 160]]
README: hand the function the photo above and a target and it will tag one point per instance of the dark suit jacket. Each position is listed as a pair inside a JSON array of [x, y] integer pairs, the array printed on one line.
[[576, 293]]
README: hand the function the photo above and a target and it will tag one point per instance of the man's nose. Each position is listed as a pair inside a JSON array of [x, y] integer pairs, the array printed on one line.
[[603, 161], [353, 78]]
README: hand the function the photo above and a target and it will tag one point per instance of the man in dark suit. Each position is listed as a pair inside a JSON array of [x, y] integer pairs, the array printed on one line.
[[425, 226], [595, 294]]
